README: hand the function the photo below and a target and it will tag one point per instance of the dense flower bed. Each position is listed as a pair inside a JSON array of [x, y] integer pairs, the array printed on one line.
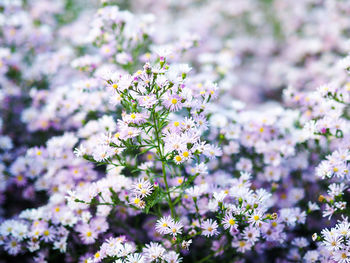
[[174, 131]]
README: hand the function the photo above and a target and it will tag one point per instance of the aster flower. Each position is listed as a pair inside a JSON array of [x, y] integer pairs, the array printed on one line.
[[229, 221], [342, 256], [142, 188], [212, 151], [147, 101], [174, 142], [173, 102], [172, 257], [311, 256], [48, 234], [87, 233], [127, 132], [209, 227], [162, 225], [256, 217], [175, 228], [332, 240], [137, 118], [251, 234], [154, 251], [241, 245], [12, 246], [135, 258], [102, 153], [124, 82], [137, 201]]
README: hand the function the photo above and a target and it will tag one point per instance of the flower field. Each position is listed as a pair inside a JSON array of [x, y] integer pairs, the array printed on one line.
[[168, 131]]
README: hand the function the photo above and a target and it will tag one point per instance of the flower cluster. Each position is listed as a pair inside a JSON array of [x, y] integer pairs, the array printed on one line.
[[155, 131]]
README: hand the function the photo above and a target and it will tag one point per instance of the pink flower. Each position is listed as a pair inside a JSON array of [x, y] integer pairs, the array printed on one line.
[[172, 102]]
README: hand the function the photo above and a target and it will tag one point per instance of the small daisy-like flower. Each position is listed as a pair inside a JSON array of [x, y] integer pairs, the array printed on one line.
[[251, 234], [175, 228], [332, 240], [154, 251], [143, 188], [174, 142], [212, 151], [137, 201], [124, 82], [48, 234], [87, 234], [102, 153], [12, 246], [135, 117], [241, 245], [185, 155], [178, 159], [172, 257], [133, 258], [79, 152], [341, 256], [129, 132], [256, 217], [172, 102], [229, 222], [147, 101], [209, 227], [163, 224]]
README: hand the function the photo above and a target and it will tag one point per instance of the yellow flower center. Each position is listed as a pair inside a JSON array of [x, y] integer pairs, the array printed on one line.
[[174, 101], [231, 221], [178, 158]]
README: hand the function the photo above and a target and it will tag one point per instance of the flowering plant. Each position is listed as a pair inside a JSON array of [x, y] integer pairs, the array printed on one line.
[[124, 139]]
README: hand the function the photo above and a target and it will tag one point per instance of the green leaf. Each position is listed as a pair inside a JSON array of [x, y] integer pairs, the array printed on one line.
[[156, 197]]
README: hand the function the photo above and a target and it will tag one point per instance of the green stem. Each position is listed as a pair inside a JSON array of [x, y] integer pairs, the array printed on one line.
[[168, 192], [170, 203]]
